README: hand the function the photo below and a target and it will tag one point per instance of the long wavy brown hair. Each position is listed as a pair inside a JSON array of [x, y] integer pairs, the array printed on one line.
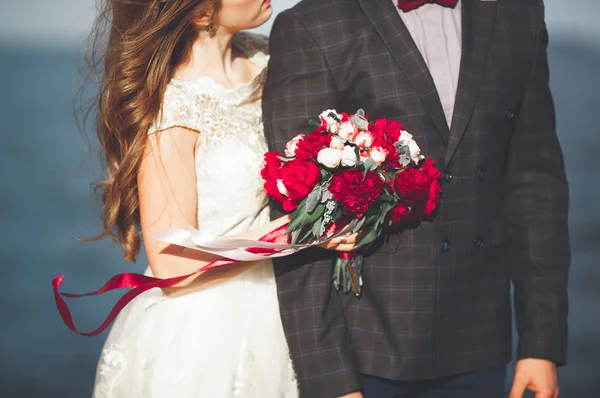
[[132, 52]]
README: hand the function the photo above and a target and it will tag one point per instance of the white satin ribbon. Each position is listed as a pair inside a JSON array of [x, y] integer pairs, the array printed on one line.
[[234, 248]]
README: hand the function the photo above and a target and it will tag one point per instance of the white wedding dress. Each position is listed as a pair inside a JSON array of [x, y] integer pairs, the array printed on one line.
[[227, 340]]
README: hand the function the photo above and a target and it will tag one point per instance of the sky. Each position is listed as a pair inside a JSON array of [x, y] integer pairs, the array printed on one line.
[[66, 22]]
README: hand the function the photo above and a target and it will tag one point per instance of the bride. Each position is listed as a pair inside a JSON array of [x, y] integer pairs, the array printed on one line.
[[180, 127]]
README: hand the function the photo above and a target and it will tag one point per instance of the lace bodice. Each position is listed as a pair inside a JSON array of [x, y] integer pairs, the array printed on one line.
[[229, 157]]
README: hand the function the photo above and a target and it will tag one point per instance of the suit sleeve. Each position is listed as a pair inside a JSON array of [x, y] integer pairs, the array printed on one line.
[[299, 87], [537, 204]]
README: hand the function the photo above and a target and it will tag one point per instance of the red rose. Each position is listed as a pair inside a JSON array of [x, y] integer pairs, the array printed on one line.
[[291, 179], [355, 193], [299, 176], [412, 185], [270, 173], [398, 214], [386, 133], [419, 187], [388, 129], [435, 188], [311, 144]]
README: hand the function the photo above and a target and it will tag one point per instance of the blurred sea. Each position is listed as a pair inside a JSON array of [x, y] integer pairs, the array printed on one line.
[[46, 201]]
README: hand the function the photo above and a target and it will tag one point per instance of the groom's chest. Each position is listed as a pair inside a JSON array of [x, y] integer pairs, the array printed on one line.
[[370, 69]]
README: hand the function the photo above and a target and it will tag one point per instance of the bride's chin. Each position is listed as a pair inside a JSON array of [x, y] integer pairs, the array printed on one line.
[[262, 19]]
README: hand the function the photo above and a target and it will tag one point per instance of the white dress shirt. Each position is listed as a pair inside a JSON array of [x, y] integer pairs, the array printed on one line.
[[436, 30]]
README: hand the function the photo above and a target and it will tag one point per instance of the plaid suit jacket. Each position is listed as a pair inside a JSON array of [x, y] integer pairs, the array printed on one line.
[[436, 300]]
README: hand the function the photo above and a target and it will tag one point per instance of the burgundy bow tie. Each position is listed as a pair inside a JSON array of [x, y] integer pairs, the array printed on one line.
[[408, 5]]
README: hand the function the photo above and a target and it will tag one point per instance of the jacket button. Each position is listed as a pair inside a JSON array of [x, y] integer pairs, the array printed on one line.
[[479, 243], [509, 116], [447, 177], [481, 174], [445, 246]]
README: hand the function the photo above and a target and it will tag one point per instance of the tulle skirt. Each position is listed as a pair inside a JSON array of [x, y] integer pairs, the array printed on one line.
[[224, 341]]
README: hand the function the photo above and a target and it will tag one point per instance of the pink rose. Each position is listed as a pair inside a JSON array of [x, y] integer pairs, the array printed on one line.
[[290, 147], [363, 139], [378, 154]]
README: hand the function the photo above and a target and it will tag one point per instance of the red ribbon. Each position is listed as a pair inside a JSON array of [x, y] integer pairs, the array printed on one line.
[[139, 283], [347, 255]]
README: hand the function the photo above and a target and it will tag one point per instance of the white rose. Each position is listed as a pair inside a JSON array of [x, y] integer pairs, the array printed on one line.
[[415, 151], [363, 139], [330, 117], [290, 147], [337, 142], [405, 137], [347, 130], [281, 188], [378, 154], [330, 157], [349, 156]]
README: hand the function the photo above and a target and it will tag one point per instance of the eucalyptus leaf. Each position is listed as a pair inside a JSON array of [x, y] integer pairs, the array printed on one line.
[[314, 123], [404, 160], [359, 120], [326, 195], [313, 199], [369, 165]]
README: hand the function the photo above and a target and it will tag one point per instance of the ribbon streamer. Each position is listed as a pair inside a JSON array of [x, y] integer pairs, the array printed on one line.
[[231, 250]]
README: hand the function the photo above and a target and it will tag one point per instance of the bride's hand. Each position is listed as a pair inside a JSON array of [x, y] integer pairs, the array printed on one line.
[[344, 243]]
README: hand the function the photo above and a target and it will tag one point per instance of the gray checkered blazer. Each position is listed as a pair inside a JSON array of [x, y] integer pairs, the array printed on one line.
[[436, 300]]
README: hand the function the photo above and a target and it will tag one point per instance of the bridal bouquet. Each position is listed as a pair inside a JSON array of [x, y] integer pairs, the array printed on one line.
[[352, 174], [347, 175]]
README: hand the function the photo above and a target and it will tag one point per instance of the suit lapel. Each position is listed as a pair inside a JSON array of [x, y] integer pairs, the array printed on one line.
[[477, 24], [388, 24]]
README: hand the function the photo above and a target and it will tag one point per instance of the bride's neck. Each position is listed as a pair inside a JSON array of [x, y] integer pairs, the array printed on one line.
[[210, 56]]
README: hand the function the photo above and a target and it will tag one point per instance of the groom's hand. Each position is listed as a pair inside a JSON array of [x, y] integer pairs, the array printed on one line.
[[536, 375]]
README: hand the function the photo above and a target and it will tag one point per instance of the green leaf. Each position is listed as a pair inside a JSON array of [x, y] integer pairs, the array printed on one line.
[[369, 165], [318, 213], [308, 233], [385, 208], [297, 217], [314, 123], [317, 229], [369, 237], [313, 199], [338, 213], [359, 225], [295, 235], [387, 176]]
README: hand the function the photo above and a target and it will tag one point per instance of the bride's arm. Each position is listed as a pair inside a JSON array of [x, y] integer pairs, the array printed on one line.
[[168, 199]]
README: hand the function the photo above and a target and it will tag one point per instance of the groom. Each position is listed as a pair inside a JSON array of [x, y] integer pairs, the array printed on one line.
[[469, 80]]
